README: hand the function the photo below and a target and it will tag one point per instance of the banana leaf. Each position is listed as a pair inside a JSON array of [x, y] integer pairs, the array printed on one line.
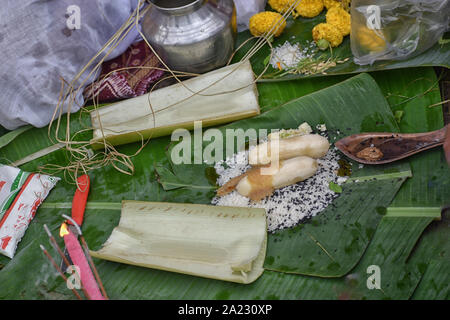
[[122, 281], [431, 259], [300, 31], [333, 242], [431, 177], [430, 186], [413, 96], [10, 136], [30, 275], [389, 249]]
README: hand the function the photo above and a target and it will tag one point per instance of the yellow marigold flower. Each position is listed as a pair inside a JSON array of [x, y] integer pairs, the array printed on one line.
[[369, 40], [345, 4], [309, 8], [327, 32], [339, 18], [280, 5], [262, 22], [331, 3]]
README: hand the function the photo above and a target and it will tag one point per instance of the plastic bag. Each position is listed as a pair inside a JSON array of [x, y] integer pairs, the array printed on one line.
[[396, 30], [245, 9]]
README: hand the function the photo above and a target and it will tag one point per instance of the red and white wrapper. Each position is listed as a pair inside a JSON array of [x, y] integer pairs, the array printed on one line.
[[18, 216], [11, 181]]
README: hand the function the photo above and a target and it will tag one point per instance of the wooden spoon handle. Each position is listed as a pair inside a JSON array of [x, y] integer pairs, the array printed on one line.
[[447, 144], [433, 137], [426, 140]]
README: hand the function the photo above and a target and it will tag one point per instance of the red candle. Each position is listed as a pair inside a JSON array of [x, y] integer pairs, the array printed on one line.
[[79, 259]]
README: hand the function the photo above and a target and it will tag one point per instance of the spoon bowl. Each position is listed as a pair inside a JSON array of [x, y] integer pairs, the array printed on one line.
[[386, 147]]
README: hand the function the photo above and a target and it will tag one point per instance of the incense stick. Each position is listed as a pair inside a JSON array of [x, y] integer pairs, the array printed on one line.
[[49, 257], [94, 269], [56, 246]]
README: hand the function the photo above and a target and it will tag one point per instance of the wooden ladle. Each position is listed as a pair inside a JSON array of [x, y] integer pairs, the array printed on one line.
[[385, 147]]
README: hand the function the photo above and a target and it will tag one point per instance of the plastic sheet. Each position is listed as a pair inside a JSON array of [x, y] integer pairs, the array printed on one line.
[[245, 9], [396, 30]]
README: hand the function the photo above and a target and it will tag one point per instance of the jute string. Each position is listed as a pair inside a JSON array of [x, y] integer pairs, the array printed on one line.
[[81, 158]]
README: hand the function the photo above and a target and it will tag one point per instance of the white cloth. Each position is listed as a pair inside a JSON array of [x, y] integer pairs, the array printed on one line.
[[37, 48]]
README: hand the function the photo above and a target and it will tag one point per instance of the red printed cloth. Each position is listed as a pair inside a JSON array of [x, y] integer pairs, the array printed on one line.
[[127, 83]]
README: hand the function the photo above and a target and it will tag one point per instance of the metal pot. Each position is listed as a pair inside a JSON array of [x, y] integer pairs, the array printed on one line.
[[191, 35]]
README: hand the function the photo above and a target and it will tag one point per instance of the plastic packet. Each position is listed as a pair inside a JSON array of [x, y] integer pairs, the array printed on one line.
[[21, 193], [396, 30], [245, 9]]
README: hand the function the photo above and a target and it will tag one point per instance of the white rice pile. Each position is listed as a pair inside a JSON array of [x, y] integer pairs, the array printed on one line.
[[290, 205], [289, 55]]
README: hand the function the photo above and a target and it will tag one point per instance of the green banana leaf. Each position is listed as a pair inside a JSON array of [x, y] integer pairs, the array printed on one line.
[[431, 259], [122, 281], [389, 249], [413, 96], [10, 136], [300, 31], [333, 242], [431, 176], [430, 186]]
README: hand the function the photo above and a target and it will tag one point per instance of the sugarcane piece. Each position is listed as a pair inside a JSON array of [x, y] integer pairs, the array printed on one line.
[[260, 182], [224, 243], [311, 145], [223, 95]]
